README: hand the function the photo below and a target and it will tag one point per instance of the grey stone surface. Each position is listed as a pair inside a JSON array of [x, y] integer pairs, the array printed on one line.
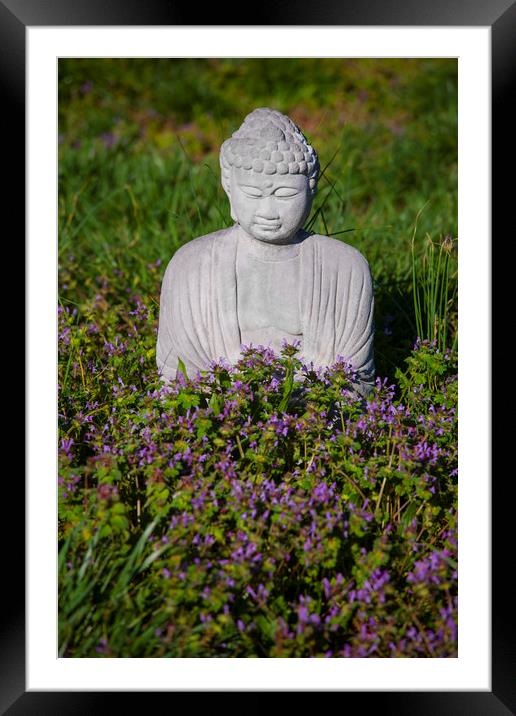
[[266, 279]]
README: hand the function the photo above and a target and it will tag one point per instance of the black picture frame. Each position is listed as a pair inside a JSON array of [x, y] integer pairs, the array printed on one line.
[[500, 16]]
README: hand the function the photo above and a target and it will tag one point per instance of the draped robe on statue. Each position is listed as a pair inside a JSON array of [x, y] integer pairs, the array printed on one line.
[[198, 320]]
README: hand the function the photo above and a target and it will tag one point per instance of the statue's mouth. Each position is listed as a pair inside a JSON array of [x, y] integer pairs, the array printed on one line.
[[267, 227]]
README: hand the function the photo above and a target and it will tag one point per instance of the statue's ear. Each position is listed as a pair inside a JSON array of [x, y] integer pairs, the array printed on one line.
[[232, 211], [225, 174], [226, 185]]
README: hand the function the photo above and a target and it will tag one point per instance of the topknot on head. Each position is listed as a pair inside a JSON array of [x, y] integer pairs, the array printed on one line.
[[270, 142], [272, 132]]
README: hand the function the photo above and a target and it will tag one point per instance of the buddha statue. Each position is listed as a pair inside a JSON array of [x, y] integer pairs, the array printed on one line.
[[265, 279]]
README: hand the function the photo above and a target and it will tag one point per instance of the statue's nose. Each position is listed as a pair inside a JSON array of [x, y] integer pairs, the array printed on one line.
[[267, 209]]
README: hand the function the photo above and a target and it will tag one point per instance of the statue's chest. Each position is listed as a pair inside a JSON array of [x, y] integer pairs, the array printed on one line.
[[268, 295]]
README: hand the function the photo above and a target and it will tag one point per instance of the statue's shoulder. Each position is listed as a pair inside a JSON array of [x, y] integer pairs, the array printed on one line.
[[190, 255], [201, 244], [336, 252]]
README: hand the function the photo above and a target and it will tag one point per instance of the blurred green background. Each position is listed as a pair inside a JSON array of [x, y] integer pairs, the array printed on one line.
[[139, 174]]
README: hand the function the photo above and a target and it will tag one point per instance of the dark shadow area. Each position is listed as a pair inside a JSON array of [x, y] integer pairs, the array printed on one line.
[[395, 330]]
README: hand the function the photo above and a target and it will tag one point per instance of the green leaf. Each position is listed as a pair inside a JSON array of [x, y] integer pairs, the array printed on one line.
[[307, 482], [266, 627], [152, 557], [287, 390], [130, 566], [121, 523], [408, 515], [214, 404], [203, 427], [182, 368]]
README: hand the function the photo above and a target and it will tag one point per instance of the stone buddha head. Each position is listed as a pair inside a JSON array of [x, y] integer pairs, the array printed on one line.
[[269, 173]]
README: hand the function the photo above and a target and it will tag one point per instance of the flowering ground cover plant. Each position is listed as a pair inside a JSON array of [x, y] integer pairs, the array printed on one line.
[[256, 510]]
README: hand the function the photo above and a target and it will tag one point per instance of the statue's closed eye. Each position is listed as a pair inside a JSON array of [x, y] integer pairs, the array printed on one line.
[[251, 191], [284, 192]]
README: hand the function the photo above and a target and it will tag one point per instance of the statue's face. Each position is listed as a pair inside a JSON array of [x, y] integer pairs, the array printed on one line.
[[269, 207]]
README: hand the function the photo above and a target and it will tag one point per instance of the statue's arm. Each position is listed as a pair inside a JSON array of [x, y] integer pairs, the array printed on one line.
[[356, 335], [170, 346], [167, 358]]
